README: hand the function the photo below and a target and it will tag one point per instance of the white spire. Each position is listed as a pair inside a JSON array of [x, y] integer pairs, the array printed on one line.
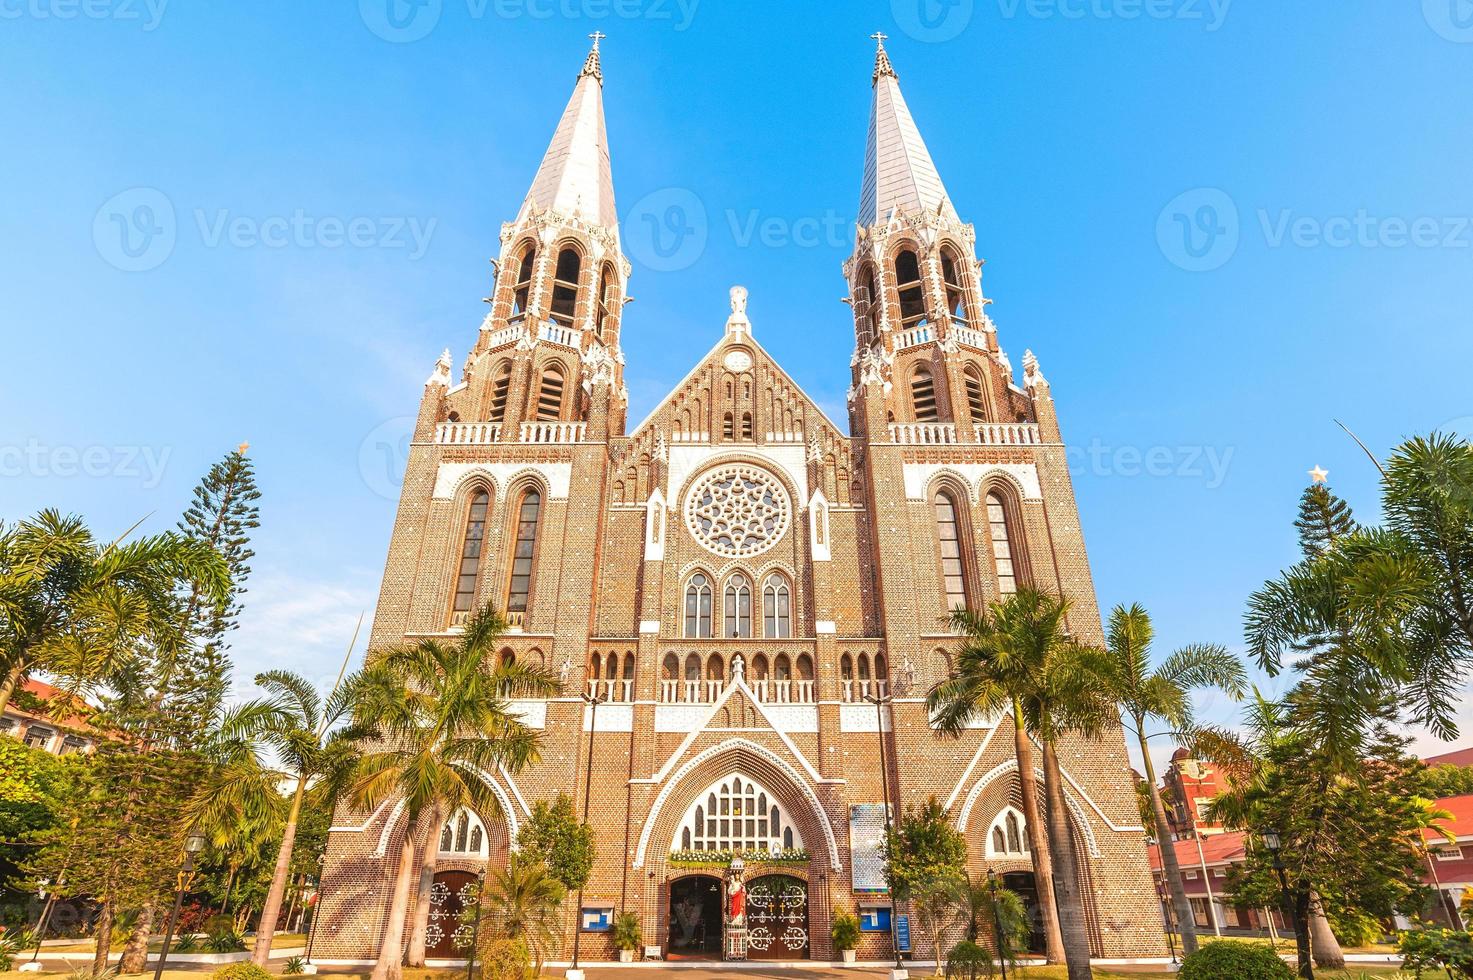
[[898, 172], [575, 176]]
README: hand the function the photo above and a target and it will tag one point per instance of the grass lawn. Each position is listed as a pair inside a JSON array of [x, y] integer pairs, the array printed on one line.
[[285, 940]]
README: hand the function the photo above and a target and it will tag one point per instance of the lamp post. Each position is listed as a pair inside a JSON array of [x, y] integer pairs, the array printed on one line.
[[1168, 912], [470, 963], [593, 701], [879, 701], [193, 844], [997, 933], [1275, 845], [316, 907]]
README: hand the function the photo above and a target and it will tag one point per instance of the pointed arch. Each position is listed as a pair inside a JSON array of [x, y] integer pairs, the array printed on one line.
[[565, 281], [910, 288], [951, 548], [607, 300], [468, 572], [550, 392], [976, 399], [699, 593], [526, 265], [500, 389], [528, 517], [954, 282], [1004, 527], [923, 394]]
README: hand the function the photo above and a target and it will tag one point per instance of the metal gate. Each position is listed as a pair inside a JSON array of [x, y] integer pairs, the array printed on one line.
[[777, 918], [449, 936]]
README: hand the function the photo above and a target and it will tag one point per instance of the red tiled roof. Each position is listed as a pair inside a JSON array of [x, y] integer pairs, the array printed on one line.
[[1461, 825], [1458, 757], [55, 696], [1216, 849]]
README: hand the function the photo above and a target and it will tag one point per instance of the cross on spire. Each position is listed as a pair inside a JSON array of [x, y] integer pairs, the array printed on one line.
[[592, 66], [883, 68]]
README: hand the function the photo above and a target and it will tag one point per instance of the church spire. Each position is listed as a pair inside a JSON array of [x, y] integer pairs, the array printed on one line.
[[575, 177], [899, 175]]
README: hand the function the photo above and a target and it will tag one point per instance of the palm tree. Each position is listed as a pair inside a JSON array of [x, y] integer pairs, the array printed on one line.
[[439, 714], [1143, 694], [306, 736], [523, 901], [79, 608], [992, 677], [1018, 655]]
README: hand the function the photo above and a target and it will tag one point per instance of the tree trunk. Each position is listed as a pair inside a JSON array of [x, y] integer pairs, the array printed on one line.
[[229, 885], [103, 933], [135, 954], [1072, 925], [291, 905], [1322, 941], [11, 682], [418, 935], [1043, 865], [261, 954], [389, 965], [1300, 898], [1186, 922]]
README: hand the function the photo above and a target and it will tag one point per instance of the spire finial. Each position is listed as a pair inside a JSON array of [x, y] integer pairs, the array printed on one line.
[[882, 60], [592, 66]]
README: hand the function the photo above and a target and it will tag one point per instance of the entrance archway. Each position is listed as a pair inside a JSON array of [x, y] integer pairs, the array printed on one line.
[[695, 917], [777, 918], [1025, 886]]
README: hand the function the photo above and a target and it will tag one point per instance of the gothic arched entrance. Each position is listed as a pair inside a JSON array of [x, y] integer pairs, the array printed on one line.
[[777, 918], [695, 917], [1025, 886], [447, 937]]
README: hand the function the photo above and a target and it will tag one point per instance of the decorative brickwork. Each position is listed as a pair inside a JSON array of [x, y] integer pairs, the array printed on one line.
[[636, 590]]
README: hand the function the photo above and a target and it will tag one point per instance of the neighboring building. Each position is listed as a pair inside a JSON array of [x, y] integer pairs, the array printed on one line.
[[29, 717], [1191, 784], [735, 576]]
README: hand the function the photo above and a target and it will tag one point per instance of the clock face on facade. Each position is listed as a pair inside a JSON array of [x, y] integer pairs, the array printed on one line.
[[738, 361]]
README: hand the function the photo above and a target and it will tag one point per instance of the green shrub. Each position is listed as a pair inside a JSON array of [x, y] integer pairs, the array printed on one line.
[[240, 971], [9, 946], [968, 961], [1355, 928], [1225, 959], [627, 931], [504, 959], [845, 931], [186, 943], [295, 966], [226, 941], [1431, 949]]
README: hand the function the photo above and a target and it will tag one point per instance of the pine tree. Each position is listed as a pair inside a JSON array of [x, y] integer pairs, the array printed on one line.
[[222, 515], [1323, 520]]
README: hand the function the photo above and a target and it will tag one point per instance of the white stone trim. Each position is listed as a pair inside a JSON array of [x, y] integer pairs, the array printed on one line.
[[647, 626], [1023, 477], [818, 526], [1010, 766], [656, 526], [748, 745], [557, 477]]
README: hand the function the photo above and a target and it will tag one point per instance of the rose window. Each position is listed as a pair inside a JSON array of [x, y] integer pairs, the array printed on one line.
[[737, 511]]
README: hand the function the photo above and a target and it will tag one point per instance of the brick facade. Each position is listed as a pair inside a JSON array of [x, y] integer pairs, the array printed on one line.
[[845, 521]]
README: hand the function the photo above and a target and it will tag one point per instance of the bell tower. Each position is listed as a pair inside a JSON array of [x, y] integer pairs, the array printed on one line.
[[559, 291], [925, 350]]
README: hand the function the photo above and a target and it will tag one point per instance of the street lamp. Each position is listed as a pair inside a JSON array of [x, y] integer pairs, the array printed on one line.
[[997, 935], [593, 701], [1274, 843], [316, 907], [1168, 912], [879, 700], [193, 844]]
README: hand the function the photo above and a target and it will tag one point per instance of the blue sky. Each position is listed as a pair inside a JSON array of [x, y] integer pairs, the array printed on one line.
[[1219, 226]]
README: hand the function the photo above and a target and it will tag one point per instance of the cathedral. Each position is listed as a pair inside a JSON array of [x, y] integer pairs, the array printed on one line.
[[745, 601]]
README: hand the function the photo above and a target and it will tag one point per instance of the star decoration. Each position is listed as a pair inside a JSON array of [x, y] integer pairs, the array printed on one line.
[[242, 448], [1319, 474]]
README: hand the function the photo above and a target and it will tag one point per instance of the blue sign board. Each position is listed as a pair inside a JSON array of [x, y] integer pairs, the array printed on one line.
[[874, 918], [902, 933]]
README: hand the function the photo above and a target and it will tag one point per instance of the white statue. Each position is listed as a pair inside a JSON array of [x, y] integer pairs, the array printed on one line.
[[738, 322]]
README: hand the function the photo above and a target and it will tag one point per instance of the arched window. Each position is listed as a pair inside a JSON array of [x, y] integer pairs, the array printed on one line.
[[805, 667], [595, 666], [776, 608], [698, 607], [470, 553], [923, 394], [738, 607], [864, 666], [846, 667], [522, 291], [870, 324], [881, 673], [629, 666], [956, 297], [727, 429], [715, 668], [463, 834], [740, 815], [500, 387], [746, 425], [692, 667], [759, 667], [1002, 548], [948, 537], [565, 286], [613, 666], [975, 403], [912, 293], [550, 394], [605, 300], [1006, 837], [671, 667], [529, 514], [782, 668]]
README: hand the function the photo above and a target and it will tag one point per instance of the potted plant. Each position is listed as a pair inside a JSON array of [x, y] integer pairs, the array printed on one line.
[[628, 936], [845, 934]]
